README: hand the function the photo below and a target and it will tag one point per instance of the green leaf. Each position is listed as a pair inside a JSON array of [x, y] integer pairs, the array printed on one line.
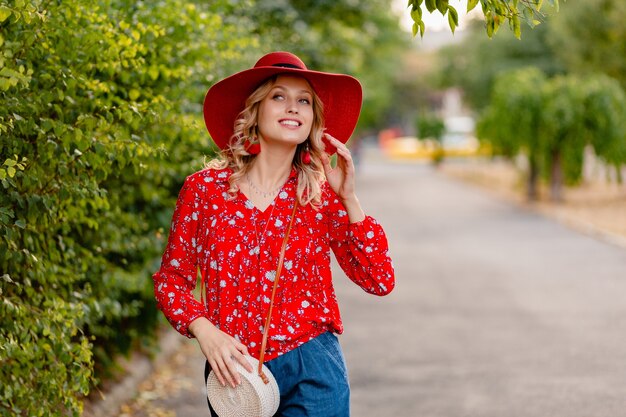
[[529, 15], [11, 171], [21, 224], [416, 15], [471, 4], [10, 162], [442, 6], [489, 25], [5, 12], [134, 94], [452, 13], [431, 5], [516, 26]]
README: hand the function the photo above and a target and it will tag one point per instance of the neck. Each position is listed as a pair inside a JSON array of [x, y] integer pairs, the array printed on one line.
[[271, 168]]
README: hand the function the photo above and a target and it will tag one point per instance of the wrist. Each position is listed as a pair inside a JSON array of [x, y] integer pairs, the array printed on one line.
[[200, 326], [350, 200], [353, 207]]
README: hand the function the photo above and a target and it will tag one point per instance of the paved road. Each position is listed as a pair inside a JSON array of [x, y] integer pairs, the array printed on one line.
[[497, 312]]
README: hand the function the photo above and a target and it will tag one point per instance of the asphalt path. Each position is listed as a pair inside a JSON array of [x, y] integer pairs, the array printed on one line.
[[497, 311]]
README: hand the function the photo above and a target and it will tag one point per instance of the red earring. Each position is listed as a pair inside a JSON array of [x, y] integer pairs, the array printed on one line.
[[305, 155], [253, 148]]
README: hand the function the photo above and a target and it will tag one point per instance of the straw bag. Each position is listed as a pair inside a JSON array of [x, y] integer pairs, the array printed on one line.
[[258, 394]]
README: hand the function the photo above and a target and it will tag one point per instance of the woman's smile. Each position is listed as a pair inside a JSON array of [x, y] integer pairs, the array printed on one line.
[[286, 113]]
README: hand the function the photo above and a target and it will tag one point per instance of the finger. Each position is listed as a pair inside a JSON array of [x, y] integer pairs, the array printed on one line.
[[235, 378], [345, 155], [221, 363], [326, 163], [243, 349], [330, 137], [347, 165], [336, 142], [217, 372], [239, 357]]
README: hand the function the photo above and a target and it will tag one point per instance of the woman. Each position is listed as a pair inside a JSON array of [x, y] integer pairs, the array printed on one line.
[[230, 220]]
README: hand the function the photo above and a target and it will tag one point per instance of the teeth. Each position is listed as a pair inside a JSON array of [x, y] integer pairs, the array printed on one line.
[[290, 123]]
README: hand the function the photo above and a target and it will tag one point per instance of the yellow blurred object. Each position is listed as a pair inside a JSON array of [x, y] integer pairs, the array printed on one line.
[[408, 147]]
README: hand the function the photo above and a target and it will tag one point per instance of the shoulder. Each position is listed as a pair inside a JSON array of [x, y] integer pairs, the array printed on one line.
[[208, 178]]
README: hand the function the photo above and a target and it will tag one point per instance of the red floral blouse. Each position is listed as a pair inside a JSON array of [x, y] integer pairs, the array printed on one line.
[[235, 247]]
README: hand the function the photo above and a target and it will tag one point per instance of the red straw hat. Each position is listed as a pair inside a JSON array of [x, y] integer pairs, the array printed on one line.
[[341, 95]]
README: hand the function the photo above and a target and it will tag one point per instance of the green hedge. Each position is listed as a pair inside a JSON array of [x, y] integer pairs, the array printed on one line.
[[98, 125]]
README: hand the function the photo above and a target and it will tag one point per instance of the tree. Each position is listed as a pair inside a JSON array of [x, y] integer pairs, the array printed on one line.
[[512, 122], [588, 36], [496, 12], [475, 63], [430, 126], [553, 120]]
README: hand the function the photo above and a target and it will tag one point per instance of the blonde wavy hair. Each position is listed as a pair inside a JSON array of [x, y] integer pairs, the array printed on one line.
[[238, 159]]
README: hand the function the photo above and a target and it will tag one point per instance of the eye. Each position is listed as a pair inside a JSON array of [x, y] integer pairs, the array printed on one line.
[[305, 101], [278, 97]]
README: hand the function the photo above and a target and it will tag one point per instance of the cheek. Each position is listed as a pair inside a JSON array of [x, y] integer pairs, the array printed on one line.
[[263, 115], [309, 116]]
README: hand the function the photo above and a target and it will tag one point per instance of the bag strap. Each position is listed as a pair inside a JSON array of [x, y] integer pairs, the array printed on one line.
[[279, 269]]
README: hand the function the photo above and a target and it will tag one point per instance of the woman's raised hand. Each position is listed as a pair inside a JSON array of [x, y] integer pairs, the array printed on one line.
[[221, 350], [342, 178]]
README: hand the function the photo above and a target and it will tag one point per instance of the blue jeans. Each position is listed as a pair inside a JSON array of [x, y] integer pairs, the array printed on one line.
[[312, 379]]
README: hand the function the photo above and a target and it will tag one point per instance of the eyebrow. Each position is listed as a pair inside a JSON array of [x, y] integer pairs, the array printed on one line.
[[285, 88]]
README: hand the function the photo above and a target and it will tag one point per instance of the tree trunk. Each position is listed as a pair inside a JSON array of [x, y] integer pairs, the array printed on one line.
[[556, 177], [533, 178]]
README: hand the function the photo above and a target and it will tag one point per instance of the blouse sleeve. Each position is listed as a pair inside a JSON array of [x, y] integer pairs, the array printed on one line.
[[361, 249], [176, 278]]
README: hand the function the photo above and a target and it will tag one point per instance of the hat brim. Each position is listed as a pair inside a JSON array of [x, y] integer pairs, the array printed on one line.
[[341, 94]]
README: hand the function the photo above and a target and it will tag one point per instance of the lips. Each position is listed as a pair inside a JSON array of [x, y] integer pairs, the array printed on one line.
[[290, 122]]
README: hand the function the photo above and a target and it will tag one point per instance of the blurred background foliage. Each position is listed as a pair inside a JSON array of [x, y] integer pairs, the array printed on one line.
[[101, 120], [551, 96]]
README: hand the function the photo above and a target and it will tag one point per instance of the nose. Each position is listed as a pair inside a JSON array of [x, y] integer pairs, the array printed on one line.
[[292, 106]]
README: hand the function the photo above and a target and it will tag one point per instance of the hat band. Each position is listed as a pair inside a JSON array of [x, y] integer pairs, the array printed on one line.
[[287, 66]]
